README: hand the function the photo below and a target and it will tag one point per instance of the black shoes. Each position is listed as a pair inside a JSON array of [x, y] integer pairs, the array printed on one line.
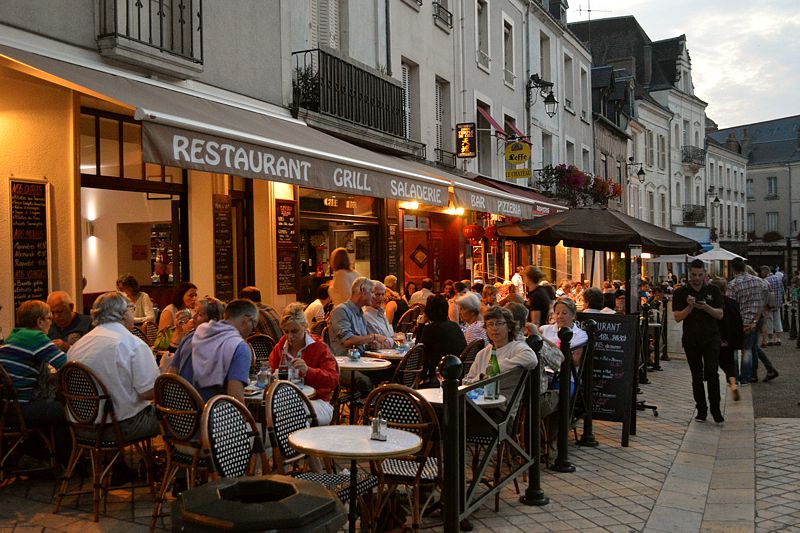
[[717, 416], [701, 416], [771, 374]]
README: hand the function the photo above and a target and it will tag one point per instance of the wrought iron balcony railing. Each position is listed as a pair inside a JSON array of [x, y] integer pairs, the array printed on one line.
[[693, 155], [442, 14], [443, 157], [327, 84], [694, 214], [166, 25]]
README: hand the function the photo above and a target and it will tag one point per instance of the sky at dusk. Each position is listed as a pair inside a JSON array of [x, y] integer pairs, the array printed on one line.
[[745, 54]]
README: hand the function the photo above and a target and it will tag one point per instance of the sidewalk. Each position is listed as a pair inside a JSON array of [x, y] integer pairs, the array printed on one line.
[[677, 475]]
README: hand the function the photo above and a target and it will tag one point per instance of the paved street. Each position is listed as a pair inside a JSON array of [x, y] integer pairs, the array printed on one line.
[[677, 475]]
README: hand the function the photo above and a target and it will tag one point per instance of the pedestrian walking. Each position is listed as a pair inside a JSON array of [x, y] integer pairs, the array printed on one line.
[[731, 337], [699, 306]]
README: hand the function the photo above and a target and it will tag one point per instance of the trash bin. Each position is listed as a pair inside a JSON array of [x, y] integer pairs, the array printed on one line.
[[262, 503]]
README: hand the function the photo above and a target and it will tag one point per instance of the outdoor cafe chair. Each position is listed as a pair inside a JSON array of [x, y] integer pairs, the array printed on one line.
[[230, 433], [91, 417], [15, 432], [262, 346], [408, 322], [409, 370], [180, 409], [318, 327], [150, 330], [137, 332], [468, 355], [405, 409], [288, 410]]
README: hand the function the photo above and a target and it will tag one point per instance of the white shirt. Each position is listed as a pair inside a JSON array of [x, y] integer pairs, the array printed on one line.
[[604, 311], [514, 354], [376, 321], [122, 361], [519, 284], [420, 297], [579, 337], [341, 286], [315, 312]]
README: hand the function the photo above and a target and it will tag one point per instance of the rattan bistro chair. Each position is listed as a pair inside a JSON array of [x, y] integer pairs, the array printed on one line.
[[95, 429], [468, 355], [180, 409], [408, 322], [409, 370], [406, 409], [150, 330], [15, 432], [137, 332], [262, 345], [288, 410], [230, 433]]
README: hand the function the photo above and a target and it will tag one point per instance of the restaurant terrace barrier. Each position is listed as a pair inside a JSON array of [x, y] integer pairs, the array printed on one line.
[[515, 435]]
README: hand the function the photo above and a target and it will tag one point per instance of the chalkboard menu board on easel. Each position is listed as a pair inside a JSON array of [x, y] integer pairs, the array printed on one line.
[[223, 247], [288, 248], [30, 208], [614, 372], [392, 250]]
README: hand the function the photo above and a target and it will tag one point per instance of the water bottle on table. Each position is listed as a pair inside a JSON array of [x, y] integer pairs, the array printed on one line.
[[264, 377], [492, 390]]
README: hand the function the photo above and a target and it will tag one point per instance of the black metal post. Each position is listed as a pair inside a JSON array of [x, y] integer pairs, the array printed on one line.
[[645, 352], [793, 327], [534, 495], [657, 339], [665, 329], [587, 438], [562, 463], [785, 313], [450, 370]]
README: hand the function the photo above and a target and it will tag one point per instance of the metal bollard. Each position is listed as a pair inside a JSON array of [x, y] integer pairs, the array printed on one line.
[[562, 463], [793, 327], [450, 369], [534, 495], [587, 438]]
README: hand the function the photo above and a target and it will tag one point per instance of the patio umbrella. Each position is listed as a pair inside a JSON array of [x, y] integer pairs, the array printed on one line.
[[598, 228], [718, 254], [677, 258]]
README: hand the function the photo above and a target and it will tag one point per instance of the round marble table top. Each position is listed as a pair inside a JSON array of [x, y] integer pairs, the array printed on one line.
[[434, 396], [353, 442], [364, 364]]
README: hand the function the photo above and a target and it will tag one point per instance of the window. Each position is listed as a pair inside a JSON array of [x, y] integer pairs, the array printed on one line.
[[635, 147], [663, 210], [603, 166], [409, 73], [438, 97], [508, 122], [751, 222], [325, 16], [569, 83], [662, 152], [676, 135], [586, 160], [686, 133], [405, 70], [584, 94], [749, 185], [508, 52], [678, 194], [619, 173], [570, 152], [772, 221], [485, 148], [648, 148], [651, 207], [547, 149], [482, 30], [544, 56], [772, 186]]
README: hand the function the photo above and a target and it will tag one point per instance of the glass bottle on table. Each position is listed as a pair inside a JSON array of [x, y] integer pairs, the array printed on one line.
[[492, 390], [294, 374], [264, 377]]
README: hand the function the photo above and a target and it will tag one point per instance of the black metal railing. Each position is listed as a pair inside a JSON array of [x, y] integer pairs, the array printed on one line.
[[443, 157], [329, 85], [442, 14], [694, 213], [693, 155], [418, 149], [169, 26]]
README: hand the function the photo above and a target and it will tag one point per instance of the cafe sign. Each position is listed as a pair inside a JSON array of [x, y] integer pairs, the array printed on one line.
[[177, 147], [466, 141], [489, 203], [517, 152], [518, 173]]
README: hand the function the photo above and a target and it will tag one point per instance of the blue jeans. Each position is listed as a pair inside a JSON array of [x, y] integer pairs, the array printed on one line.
[[760, 353]]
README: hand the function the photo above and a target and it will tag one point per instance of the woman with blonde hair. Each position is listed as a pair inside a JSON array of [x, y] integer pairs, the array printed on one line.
[[343, 276]]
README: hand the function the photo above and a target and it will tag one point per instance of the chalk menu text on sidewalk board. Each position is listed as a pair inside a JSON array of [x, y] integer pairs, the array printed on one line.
[[287, 270], [223, 247], [30, 226], [392, 247], [286, 223], [614, 367]]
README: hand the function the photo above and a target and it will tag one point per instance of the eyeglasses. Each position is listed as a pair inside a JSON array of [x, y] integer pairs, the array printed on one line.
[[495, 324]]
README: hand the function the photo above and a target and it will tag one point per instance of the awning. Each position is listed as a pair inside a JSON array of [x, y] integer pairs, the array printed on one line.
[[513, 127], [188, 129], [492, 121], [540, 204]]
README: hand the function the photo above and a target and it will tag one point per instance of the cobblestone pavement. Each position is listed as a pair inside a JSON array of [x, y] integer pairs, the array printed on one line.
[[676, 475]]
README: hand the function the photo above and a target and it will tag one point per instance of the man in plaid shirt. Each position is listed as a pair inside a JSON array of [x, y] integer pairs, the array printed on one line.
[[747, 290], [774, 322]]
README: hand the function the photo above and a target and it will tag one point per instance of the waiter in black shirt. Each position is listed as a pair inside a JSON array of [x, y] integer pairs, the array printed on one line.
[[699, 306]]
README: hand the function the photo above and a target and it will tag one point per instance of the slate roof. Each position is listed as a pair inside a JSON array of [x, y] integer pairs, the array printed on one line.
[[771, 141]]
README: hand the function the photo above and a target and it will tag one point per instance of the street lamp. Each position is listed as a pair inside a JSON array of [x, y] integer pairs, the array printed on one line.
[[714, 203], [545, 88], [639, 173]]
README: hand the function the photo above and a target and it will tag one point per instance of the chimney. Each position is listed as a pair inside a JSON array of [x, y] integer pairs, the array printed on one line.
[[731, 143], [746, 149], [798, 137], [648, 65]]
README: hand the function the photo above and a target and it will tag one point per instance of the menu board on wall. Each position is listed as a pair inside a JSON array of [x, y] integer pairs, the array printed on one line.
[[287, 270], [614, 368], [393, 255], [223, 247], [286, 223], [29, 239]]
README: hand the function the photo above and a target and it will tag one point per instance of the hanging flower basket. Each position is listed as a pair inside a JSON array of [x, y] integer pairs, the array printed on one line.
[[577, 188], [473, 232], [491, 234]]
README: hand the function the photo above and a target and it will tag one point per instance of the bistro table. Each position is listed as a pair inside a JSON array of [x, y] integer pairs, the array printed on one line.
[[255, 393], [434, 396], [362, 364], [353, 443], [390, 354]]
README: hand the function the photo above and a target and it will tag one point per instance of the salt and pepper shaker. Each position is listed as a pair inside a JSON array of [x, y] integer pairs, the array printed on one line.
[[379, 425]]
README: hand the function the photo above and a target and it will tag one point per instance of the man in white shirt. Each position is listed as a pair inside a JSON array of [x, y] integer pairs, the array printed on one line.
[[519, 282], [123, 363], [315, 311], [421, 296]]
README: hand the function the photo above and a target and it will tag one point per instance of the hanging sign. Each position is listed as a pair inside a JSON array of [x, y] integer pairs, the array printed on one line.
[[466, 141], [518, 173], [518, 152]]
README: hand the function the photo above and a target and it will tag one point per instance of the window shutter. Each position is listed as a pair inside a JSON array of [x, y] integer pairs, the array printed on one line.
[[406, 80], [439, 114]]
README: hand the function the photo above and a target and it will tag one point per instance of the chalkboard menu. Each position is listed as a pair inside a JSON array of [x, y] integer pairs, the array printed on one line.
[[392, 245], [287, 270], [29, 240], [223, 247], [286, 223], [614, 367]]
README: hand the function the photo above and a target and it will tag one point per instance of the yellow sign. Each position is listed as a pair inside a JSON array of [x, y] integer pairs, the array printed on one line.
[[466, 142], [518, 174], [518, 152]]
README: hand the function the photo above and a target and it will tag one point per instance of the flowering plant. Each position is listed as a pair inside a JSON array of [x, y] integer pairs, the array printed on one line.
[[577, 188]]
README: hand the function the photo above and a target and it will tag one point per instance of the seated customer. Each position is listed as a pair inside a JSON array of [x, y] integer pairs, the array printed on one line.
[[220, 354], [595, 302], [123, 362], [310, 357], [564, 311], [439, 335], [143, 312], [269, 323], [184, 298], [315, 312], [206, 310], [67, 325], [469, 310], [375, 317]]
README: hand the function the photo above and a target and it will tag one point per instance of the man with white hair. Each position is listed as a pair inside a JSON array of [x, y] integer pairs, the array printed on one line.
[[375, 316], [68, 326], [347, 325], [123, 362]]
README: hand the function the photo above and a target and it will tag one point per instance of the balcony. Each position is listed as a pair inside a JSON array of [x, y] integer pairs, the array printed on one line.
[[445, 158], [693, 156], [442, 15], [161, 35], [694, 214]]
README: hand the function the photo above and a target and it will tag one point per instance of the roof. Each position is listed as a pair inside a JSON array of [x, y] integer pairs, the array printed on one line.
[[665, 54], [770, 141], [602, 76]]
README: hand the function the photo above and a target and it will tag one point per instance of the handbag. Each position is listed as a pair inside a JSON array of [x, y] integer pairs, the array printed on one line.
[[163, 339]]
